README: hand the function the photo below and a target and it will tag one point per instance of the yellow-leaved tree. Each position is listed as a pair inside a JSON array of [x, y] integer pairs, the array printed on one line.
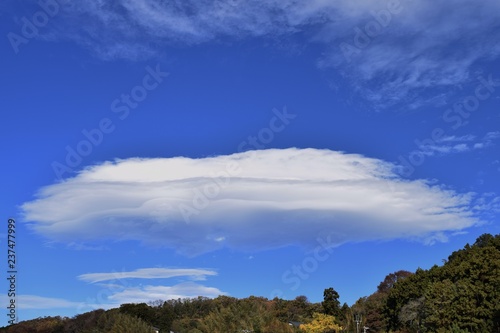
[[321, 323]]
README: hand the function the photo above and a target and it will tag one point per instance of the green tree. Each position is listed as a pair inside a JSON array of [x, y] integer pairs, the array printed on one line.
[[403, 291], [331, 304], [463, 294], [116, 322], [140, 310], [346, 318], [373, 308]]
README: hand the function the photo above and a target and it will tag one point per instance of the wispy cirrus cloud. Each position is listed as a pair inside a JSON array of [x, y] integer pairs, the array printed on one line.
[[459, 144], [149, 273], [277, 198], [420, 46], [488, 140], [489, 202], [454, 138], [402, 48]]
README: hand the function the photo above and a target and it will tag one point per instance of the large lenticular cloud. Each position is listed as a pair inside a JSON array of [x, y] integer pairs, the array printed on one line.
[[249, 201]]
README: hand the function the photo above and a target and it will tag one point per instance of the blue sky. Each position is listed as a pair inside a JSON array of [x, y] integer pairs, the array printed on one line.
[[163, 149]]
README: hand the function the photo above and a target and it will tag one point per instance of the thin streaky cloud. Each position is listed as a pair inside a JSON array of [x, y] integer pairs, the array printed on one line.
[[492, 136], [148, 273], [457, 144], [453, 138]]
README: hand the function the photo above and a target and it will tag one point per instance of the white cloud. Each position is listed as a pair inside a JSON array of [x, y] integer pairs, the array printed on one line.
[[85, 247], [488, 140], [422, 44], [461, 147], [145, 294], [445, 149], [490, 136], [488, 202], [148, 273], [458, 144], [254, 201], [28, 302], [453, 138]]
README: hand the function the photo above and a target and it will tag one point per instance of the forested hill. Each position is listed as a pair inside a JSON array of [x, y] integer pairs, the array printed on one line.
[[462, 295]]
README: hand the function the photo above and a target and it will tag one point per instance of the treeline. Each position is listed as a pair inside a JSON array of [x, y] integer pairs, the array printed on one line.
[[463, 295], [97, 321], [220, 315]]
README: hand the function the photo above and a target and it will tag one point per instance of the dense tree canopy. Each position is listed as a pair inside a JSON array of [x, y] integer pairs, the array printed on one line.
[[331, 303], [462, 295]]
